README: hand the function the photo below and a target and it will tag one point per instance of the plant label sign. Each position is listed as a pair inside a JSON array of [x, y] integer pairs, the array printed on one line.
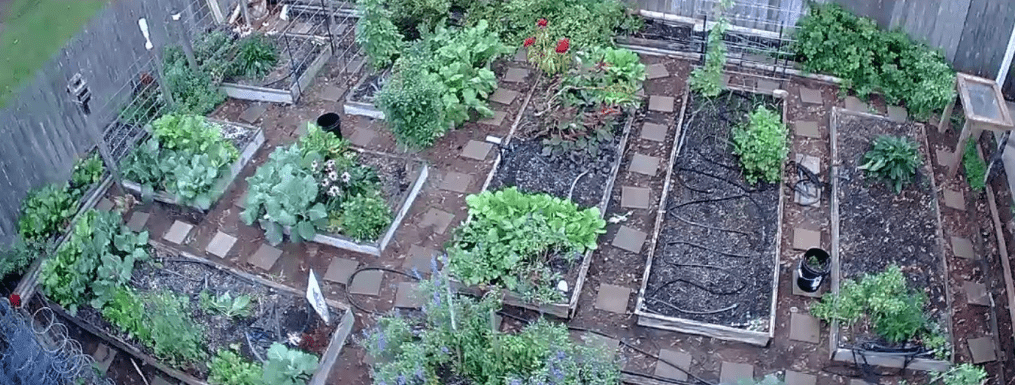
[[316, 298]]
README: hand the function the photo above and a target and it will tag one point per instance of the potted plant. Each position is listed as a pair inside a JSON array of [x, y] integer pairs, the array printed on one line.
[[812, 269]]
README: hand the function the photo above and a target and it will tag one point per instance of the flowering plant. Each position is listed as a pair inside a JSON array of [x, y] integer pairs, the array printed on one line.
[[550, 55]]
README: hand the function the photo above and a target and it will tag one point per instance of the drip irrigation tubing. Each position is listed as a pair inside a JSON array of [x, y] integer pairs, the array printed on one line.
[[348, 295], [692, 223], [695, 312], [702, 287], [707, 248]]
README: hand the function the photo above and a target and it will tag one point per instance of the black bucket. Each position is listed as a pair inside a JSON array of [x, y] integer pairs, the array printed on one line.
[[331, 122], [810, 277]]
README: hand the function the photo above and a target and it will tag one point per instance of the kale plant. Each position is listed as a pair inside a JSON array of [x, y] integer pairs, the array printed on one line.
[[282, 194]]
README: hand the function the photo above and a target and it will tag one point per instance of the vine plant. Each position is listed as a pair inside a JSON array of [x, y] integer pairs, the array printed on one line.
[[707, 80]]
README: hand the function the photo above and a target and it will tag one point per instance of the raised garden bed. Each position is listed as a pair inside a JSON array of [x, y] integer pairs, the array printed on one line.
[[712, 267], [360, 101], [247, 140], [276, 313], [299, 61], [873, 228]]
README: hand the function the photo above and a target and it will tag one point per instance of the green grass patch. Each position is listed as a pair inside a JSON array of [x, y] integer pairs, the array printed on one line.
[[975, 167], [32, 32]]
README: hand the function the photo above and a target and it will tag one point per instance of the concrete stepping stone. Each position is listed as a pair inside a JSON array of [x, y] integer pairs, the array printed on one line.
[[522, 55], [407, 296], [331, 93], [804, 328], [797, 378], [439, 219], [630, 239], [419, 258], [362, 136], [654, 132], [656, 71], [856, 105], [340, 269], [810, 96], [963, 248], [733, 373], [644, 164], [495, 120], [635, 197], [954, 199], [220, 244], [178, 232], [104, 205], [808, 194], [804, 239], [503, 96], [355, 65], [104, 356], [597, 341], [456, 181], [158, 380], [982, 349], [768, 86], [241, 202], [265, 257], [807, 129], [367, 282], [613, 298], [253, 113], [137, 221], [944, 157], [476, 150], [665, 370], [516, 75], [857, 381], [976, 293], [661, 103], [898, 114]]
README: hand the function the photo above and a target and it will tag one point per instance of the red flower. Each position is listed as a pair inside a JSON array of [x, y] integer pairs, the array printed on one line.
[[529, 41], [541, 22], [15, 300], [563, 45]]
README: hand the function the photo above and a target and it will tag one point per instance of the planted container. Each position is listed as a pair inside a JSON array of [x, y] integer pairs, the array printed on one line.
[[814, 266]]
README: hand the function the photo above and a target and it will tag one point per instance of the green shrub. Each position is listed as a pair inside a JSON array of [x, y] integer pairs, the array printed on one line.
[[976, 167], [364, 217], [831, 40], [588, 23], [228, 368], [375, 32], [962, 374], [256, 57], [412, 105], [762, 146], [45, 212], [893, 159]]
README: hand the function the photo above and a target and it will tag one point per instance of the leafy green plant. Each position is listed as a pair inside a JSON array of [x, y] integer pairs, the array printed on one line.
[[415, 17], [588, 23], [893, 159], [288, 366], [228, 368], [281, 195], [707, 80], [761, 145], [831, 40], [365, 216], [412, 105], [511, 236], [194, 90], [976, 167], [19, 255], [256, 57], [175, 336], [45, 212], [460, 59], [962, 374], [126, 310], [87, 171], [225, 304], [375, 32]]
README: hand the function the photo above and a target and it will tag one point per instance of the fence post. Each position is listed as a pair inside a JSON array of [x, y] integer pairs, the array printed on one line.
[[100, 142], [185, 42], [329, 21], [246, 12]]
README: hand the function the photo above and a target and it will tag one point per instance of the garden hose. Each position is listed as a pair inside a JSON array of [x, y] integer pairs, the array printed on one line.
[[348, 295]]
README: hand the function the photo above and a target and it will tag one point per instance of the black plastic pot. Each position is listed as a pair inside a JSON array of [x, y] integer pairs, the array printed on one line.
[[809, 278], [331, 122]]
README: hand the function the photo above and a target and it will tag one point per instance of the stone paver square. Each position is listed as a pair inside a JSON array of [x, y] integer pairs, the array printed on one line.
[[810, 96], [613, 298], [253, 113], [522, 55], [635, 197], [656, 71], [944, 157], [963, 248], [595, 340], [630, 239], [158, 380], [104, 205], [976, 293], [665, 370], [954, 199], [857, 381], [495, 120], [897, 114], [419, 259], [332, 93], [504, 96], [355, 64], [265, 257], [644, 164], [661, 103], [803, 327], [178, 232], [137, 221], [855, 104], [516, 75], [982, 350], [768, 86], [456, 181], [807, 128], [732, 373], [476, 150], [340, 269], [804, 239], [362, 136], [408, 296], [797, 378], [367, 282], [654, 132], [220, 244], [241, 202], [439, 219], [104, 357]]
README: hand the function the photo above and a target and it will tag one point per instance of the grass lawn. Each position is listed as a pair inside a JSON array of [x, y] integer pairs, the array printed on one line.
[[32, 31]]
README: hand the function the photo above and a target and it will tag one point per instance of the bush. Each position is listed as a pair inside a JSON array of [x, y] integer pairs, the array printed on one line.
[[412, 105], [831, 40], [365, 216], [588, 23], [893, 159], [375, 32], [762, 146]]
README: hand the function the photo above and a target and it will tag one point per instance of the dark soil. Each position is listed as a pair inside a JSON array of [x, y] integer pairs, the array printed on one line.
[[879, 228], [367, 90], [682, 37], [717, 246], [275, 316], [239, 136], [396, 174]]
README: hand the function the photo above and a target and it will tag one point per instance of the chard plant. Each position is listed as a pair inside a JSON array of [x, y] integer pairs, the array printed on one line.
[[893, 159]]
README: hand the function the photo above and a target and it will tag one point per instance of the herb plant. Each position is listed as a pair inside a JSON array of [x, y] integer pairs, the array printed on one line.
[[962, 374], [175, 336], [194, 91], [375, 32], [288, 366], [512, 236], [893, 159], [45, 212], [707, 80], [19, 255], [976, 167], [761, 145], [412, 105], [365, 217], [255, 58], [228, 368], [225, 304]]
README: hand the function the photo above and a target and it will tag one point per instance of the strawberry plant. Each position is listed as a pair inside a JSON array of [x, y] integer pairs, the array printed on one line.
[[893, 159], [762, 146]]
